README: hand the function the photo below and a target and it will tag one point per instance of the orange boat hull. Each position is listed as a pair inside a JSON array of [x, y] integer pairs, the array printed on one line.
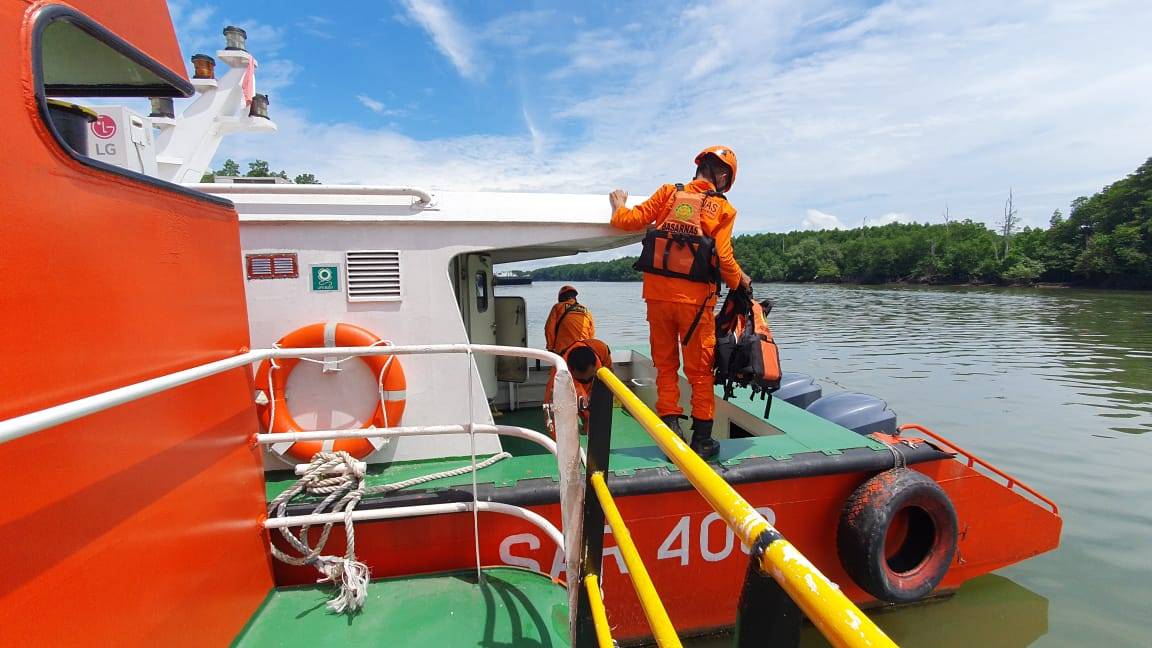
[[694, 560]]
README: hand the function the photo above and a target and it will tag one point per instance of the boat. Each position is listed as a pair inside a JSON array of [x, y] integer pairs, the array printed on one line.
[[197, 368], [510, 279]]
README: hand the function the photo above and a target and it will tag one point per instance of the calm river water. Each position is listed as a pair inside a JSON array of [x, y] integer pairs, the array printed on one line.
[[1052, 385]]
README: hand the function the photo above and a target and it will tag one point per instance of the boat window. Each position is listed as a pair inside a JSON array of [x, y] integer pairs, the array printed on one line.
[[481, 291], [74, 60], [77, 63]]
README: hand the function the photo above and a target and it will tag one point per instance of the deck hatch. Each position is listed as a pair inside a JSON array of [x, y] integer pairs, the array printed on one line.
[[373, 275]]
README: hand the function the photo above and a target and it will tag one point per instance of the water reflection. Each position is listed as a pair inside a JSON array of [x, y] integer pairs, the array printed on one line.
[[1054, 386], [990, 612], [987, 611]]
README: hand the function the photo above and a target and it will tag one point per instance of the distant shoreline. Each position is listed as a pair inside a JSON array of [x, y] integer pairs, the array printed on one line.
[[1046, 285]]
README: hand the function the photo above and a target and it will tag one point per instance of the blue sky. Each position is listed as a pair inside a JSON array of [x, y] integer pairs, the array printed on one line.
[[841, 112]]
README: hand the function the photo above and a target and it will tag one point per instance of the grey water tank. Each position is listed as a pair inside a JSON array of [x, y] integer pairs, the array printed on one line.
[[799, 389], [860, 413]]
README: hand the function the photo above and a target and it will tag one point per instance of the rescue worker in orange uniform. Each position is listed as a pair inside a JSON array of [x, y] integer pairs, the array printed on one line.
[[584, 358], [687, 254], [568, 322]]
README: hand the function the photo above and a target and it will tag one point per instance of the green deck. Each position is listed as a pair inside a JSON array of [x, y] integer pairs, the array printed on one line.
[[513, 607], [632, 449]]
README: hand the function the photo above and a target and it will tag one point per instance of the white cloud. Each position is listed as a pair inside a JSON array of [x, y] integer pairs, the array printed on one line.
[[515, 29], [200, 16], [450, 37], [379, 107], [889, 218], [897, 109], [274, 75], [818, 220], [370, 103], [262, 37], [200, 26], [602, 50], [317, 26], [537, 135]]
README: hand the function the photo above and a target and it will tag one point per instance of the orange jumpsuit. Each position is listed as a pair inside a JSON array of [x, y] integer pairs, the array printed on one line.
[[583, 390], [673, 304], [575, 326]]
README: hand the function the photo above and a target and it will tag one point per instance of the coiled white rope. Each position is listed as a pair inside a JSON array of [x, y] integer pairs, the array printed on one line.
[[343, 492]]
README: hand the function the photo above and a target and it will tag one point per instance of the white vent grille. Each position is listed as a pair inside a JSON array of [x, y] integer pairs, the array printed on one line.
[[373, 275]]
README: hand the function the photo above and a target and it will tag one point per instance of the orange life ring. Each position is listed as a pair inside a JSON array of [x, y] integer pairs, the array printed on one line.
[[273, 381]]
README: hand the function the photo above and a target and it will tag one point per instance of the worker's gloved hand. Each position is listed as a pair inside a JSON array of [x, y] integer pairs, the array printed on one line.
[[745, 282], [617, 199]]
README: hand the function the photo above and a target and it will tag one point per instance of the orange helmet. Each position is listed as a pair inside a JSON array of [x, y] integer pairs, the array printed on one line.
[[726, 155]]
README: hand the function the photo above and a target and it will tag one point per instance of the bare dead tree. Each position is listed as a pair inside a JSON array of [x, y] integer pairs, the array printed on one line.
[[1008, 223], [947, 214]]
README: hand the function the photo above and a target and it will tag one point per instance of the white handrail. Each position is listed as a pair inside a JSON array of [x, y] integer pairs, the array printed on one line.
[[26, 424], [567, 449], [415, 511], [424, 198], [418, 430]]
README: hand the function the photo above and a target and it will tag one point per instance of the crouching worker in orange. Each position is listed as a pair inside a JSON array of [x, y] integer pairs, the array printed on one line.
[[568, 322], [687, 252], [584, 359]]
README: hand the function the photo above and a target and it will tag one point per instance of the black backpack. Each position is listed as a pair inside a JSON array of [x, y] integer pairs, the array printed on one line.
[[746, 354]]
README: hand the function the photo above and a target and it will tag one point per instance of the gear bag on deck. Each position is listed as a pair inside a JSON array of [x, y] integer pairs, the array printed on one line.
[[746, 354], [678, 247]]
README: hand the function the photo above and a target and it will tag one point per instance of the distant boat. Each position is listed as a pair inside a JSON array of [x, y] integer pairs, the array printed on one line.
[[513, 280]]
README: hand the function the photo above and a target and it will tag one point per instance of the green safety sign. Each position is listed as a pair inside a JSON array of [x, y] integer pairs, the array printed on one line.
[[325, 277]]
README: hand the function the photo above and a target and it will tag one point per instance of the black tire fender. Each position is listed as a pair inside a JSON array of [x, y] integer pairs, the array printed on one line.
[[907, 566]]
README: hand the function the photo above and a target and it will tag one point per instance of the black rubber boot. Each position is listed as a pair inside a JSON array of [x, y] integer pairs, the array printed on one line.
[[673, 422], [702, 442]]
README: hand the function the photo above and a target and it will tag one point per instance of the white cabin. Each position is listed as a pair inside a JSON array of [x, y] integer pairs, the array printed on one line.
[[414, 267]]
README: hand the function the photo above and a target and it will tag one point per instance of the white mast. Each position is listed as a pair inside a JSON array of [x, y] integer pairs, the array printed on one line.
[[186, 144]]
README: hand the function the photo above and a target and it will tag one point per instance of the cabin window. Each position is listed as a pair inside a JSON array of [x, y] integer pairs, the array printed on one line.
[[75, 61], [481, 291], [80, 69]]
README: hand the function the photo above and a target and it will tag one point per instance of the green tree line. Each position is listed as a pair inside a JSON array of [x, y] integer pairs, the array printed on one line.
[[614, 270], [256, 169], [1105, 240]]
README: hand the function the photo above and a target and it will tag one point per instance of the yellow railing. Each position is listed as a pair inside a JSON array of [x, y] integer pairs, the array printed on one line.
[[662, 629], [837, 618], [599, 614]]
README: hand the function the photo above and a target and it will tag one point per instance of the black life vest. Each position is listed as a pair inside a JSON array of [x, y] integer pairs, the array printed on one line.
[[746, 355], [678, 247]]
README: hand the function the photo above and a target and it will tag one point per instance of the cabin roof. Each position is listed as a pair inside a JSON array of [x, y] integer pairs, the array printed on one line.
[[530, 225]]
